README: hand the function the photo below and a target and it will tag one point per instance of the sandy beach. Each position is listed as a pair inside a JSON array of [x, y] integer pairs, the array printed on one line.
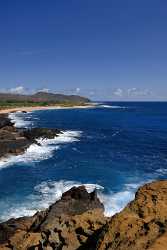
[[29, 109]]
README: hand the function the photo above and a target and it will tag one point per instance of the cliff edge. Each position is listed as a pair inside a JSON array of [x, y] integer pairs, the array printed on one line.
[[77, 222]]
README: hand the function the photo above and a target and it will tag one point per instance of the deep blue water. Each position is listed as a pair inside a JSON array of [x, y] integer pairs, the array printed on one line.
[[117, 148]]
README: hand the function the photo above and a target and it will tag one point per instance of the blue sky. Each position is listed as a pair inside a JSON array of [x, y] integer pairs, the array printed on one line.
[[107, 50]]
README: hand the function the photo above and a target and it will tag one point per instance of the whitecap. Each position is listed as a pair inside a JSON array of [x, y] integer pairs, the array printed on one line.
[[112, 106], [18, 119], [161, 171], [43, 196], [115, 202], [41, 151], [48, 192]]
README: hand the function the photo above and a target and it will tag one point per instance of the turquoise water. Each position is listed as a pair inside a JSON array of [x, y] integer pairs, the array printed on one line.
[[115, 148]]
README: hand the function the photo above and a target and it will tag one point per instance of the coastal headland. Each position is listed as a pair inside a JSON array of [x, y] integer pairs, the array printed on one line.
[[14, 141], [77, 220], [41, 101]]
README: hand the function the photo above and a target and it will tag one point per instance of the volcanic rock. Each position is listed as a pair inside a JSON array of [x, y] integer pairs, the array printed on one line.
[[74, 222], [15, 141], [142, 224]]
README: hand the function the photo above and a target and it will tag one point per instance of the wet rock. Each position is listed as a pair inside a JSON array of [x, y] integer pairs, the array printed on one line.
[[15, 141], [35, 133], [5, 121]]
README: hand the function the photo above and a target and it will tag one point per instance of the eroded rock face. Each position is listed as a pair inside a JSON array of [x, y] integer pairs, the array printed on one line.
[[15, 141], [77, 221], [142, 224], [74, 222]]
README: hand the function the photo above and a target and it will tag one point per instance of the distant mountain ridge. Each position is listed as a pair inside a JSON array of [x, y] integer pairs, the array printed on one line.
[[43, 97]]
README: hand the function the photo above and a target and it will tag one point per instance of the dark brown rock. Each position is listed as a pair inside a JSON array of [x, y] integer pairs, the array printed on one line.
[[15, 141], [75, 227], [35, 133], [76, 222], [5, 121]]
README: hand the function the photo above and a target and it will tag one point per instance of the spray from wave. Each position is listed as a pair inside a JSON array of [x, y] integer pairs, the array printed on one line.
[[21, 120], [48, 192], [112, 106], [43, 150]]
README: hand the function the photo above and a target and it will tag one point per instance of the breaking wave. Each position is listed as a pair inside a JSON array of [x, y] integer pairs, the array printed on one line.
[[112, 106], [43, 150], [48, 192], [18, 119]]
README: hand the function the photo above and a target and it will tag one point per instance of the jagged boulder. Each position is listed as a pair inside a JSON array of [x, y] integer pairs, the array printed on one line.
[[74, 222], [15, 141], [142, 224], [35, 133], [5, 121]]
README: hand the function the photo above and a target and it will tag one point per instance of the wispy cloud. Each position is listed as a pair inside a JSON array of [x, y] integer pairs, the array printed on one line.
[[77, 90], [44, 90], [132, 92], [17, 90], [118, 92]]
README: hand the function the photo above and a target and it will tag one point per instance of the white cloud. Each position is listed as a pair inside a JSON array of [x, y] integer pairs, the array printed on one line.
[[17, 90], [138, 92], [77, 90], [118, 92], [131, 91], [44, 90]]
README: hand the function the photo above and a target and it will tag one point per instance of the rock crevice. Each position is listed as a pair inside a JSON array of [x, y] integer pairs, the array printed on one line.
[[77, 222]]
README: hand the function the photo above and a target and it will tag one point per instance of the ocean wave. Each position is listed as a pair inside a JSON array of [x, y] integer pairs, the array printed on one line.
[[161, 171], [42, 197], [43, 150], [112, 106], [48, 192], [18, 118]]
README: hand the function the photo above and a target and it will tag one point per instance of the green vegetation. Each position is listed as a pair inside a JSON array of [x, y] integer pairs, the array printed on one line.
[[13, 104], [41, 99], [17, 104]]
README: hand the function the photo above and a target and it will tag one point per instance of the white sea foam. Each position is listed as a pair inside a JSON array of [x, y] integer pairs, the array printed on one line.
[[44, 195], [112, 106], [161, 171], [18, 119], [48, 192], [115, 202], [43, 150]]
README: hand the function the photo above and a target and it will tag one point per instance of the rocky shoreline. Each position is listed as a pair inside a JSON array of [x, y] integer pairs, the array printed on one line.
[[14, 141], [77, 222]]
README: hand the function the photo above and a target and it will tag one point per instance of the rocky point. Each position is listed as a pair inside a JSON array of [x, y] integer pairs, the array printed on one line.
[[77, 222], [14, 141]]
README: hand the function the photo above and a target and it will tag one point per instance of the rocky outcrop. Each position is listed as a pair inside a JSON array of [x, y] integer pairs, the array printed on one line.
[[74, 222], [36, 133], [15, 141], [5, 121], [142, 224], [77, 221]]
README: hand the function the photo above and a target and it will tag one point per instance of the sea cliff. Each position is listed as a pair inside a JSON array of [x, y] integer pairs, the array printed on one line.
[[77, 222]]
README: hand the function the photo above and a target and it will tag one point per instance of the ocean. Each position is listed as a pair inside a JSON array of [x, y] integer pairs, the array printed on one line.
[[115, 148]]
